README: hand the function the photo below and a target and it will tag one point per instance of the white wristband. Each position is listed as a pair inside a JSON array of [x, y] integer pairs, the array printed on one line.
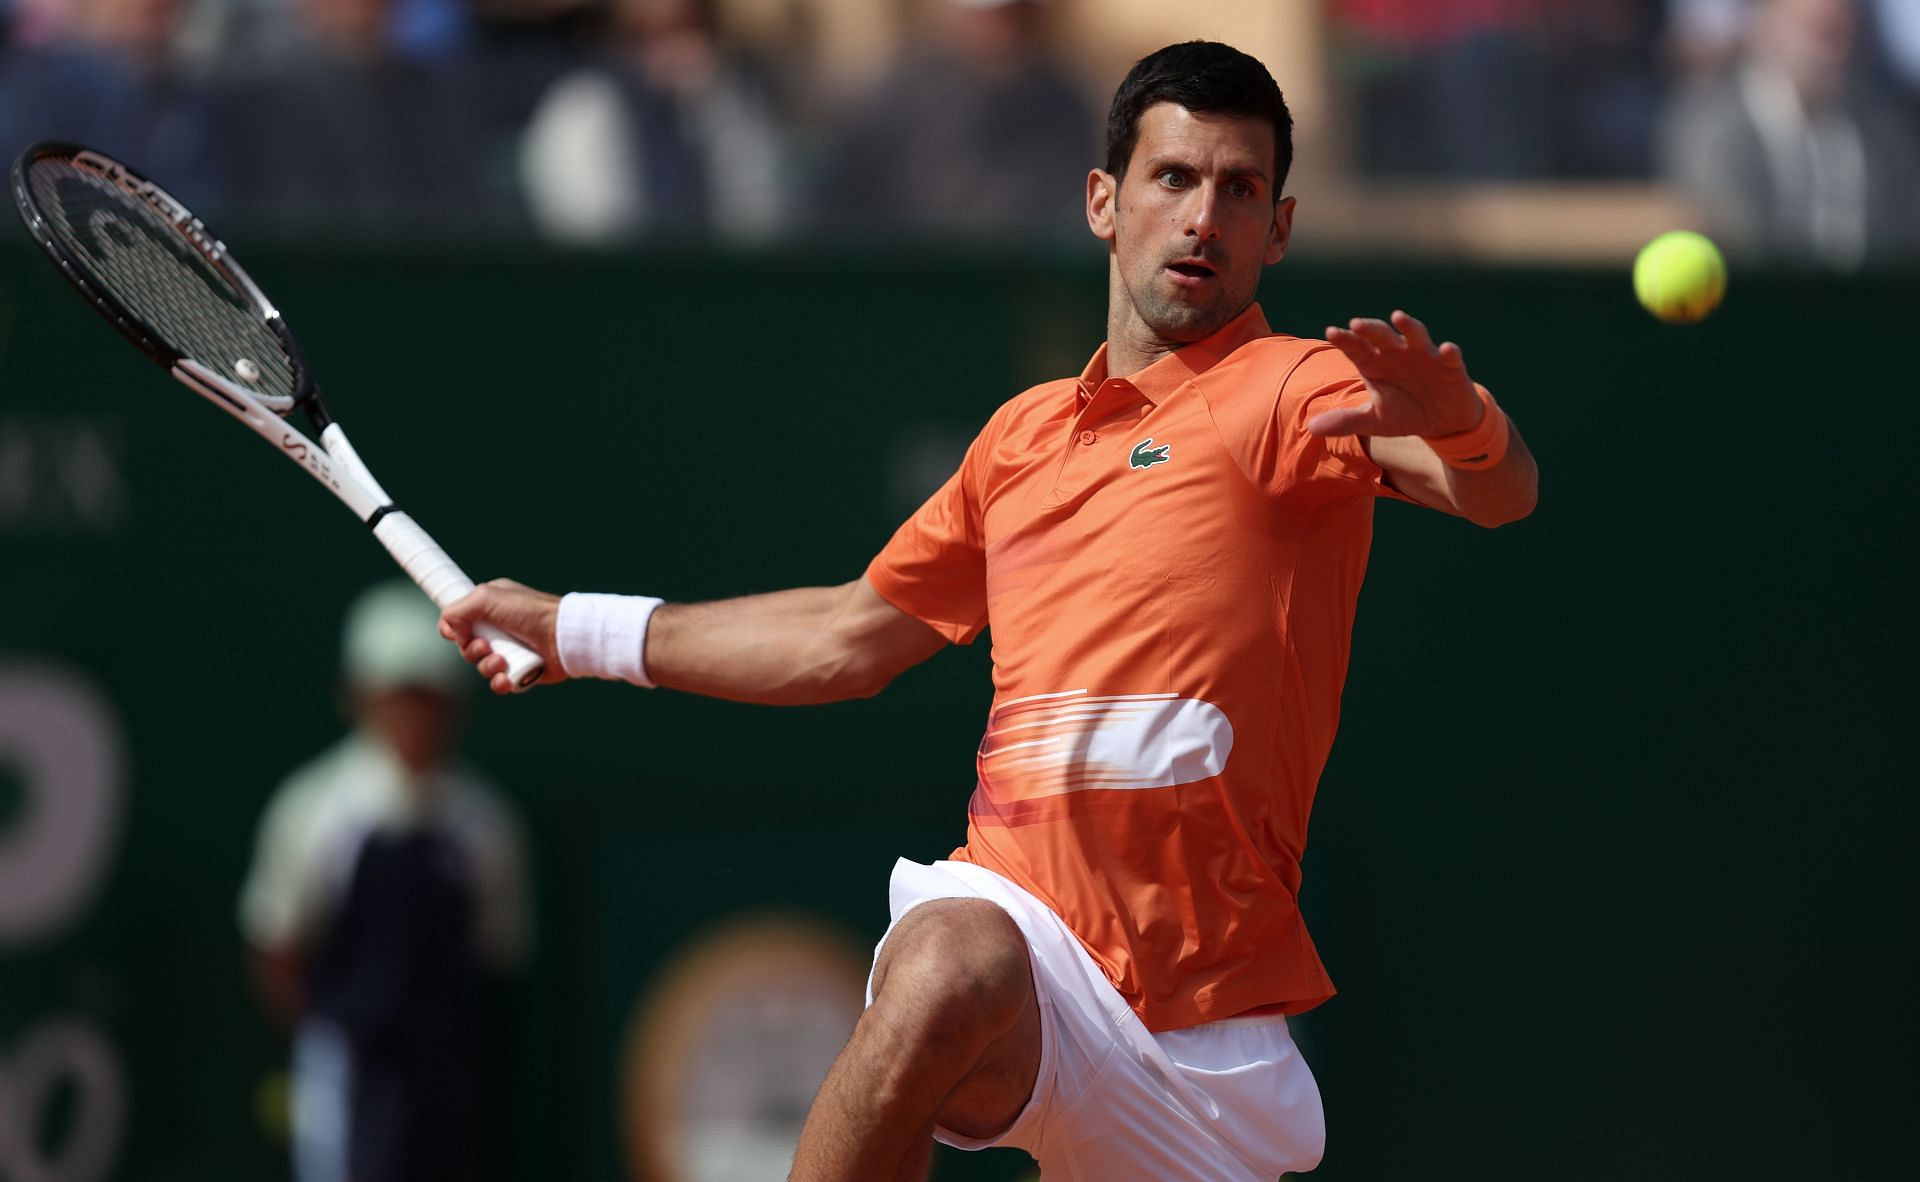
[[605, 636]]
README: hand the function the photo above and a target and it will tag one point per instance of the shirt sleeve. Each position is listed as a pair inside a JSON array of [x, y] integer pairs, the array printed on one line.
[[935, 566], [277, 901], [1308, 471]]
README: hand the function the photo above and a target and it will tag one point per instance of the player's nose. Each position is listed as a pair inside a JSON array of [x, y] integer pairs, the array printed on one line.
[[1203, 214]]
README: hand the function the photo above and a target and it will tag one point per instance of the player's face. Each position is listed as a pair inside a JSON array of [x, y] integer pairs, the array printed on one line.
[[417, 723], [1194, 219]]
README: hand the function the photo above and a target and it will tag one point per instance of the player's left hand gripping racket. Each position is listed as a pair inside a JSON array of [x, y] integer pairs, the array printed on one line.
[[152, 269]]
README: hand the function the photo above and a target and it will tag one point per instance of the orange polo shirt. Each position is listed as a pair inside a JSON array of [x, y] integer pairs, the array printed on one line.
[[1169, 564]]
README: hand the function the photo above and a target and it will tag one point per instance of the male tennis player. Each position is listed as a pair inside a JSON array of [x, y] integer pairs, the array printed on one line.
[[1168, 549]]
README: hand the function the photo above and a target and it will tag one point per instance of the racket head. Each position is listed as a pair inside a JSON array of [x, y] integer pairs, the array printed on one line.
[[154, 271]]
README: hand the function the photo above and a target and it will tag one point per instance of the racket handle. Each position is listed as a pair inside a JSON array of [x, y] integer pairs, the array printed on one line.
[[446, 584]]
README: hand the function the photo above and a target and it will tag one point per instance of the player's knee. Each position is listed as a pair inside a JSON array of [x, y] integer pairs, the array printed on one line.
[[961, 966]]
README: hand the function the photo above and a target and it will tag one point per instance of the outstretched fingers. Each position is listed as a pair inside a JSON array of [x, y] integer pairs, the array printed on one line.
[[1404, 346], [1418, 338], [1378, 333], [1418, 387], [1371, 343], [1415, 332], [1357, 348]]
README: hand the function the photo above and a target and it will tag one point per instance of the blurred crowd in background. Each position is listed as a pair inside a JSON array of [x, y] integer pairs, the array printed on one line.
[[1789, 128]]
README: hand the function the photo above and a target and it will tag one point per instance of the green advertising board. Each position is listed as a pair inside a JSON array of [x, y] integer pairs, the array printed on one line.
[[1612, 862]]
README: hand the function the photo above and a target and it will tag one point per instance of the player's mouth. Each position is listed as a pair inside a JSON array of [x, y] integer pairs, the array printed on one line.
[[1191, 272]]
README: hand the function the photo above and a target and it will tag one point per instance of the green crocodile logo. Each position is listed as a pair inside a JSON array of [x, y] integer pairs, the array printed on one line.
[[1146, 455]]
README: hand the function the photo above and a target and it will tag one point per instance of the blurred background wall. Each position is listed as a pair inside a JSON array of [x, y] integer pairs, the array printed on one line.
[[1657, 923]]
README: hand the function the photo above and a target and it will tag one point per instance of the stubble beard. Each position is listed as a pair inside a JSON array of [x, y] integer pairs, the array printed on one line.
[[1173, 319]]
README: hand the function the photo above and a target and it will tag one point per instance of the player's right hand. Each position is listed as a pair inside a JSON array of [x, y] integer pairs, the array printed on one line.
[[527, 615]]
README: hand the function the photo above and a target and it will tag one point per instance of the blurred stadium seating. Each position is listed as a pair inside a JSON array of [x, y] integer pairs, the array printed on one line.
[[1501, 129]]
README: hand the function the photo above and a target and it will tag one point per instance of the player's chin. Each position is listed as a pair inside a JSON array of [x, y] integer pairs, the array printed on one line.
[[1182, 317]]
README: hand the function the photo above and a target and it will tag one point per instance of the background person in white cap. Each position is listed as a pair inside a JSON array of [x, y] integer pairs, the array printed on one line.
[[387, 885]]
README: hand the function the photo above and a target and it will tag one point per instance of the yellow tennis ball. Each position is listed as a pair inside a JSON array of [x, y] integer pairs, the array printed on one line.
[[1680, 276]]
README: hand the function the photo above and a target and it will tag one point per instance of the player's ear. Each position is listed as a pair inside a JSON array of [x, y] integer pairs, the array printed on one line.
[[1282, 234], [1103, 191]]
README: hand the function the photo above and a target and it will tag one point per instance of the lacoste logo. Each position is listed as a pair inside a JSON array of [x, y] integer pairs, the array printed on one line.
[[1146, 455]]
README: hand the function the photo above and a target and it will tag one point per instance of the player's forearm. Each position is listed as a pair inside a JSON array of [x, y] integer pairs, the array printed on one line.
[[785, 648], [1504, 493]]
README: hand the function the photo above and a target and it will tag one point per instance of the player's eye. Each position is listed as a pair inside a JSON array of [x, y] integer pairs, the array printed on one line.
[[1173, 178], [1240, 189]]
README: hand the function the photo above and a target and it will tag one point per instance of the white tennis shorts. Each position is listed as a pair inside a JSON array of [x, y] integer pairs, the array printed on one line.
[[1228, 1101]]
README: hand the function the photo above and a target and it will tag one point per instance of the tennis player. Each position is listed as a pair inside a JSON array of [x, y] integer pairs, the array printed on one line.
[[1168, 548]]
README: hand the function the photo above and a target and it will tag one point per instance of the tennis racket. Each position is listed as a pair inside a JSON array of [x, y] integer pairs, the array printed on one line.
[[151, 268]]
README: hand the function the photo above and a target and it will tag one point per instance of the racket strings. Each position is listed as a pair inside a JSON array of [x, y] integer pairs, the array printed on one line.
[[150, 266]]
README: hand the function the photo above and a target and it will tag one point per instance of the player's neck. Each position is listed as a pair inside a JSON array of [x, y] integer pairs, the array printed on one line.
[[1123, 360], [1131, 345]]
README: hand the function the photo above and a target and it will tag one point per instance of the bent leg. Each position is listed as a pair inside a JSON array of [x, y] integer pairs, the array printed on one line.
[[952, 1037]]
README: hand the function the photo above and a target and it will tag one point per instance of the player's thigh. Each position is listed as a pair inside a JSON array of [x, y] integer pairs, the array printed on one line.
[[959, 972]]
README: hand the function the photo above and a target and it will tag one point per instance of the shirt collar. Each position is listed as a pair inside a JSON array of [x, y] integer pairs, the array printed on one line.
[[1168, 374]]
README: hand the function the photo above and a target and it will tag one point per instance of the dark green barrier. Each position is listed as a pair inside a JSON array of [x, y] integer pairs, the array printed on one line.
[[1611, 862]]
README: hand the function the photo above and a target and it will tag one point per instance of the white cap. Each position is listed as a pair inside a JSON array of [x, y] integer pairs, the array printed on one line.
[[391, 638]]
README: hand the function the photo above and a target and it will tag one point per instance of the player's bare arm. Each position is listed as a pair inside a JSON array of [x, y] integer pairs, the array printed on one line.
[[799, 647], [1421, 391]]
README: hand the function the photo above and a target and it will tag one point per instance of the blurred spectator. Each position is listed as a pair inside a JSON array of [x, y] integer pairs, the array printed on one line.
[[535, 19], [1606, 88], [1499, 89], [1793, 153], [386, 888], [336, 134], [1705, 36], [673, 132], [36, 23], [103, 73], [981, 132], [1897, 23], [1443, 87], [412, 28]]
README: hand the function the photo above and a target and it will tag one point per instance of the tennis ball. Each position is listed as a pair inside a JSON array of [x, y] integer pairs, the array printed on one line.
[[1680, 276]]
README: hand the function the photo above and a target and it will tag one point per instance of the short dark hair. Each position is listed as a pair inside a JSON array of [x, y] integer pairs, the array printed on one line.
[[1201, 76]]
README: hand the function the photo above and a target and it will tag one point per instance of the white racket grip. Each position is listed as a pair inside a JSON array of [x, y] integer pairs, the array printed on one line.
[[446, 584]]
